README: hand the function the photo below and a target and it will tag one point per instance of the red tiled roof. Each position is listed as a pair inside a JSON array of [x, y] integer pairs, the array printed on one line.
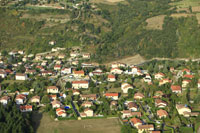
[[135, 120], [111, 76], [80, 82], [111, 94], [188, 76], [79, 72], [176, 88]]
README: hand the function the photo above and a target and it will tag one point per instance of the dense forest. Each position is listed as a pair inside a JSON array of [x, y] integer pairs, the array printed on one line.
[[13, 121], [108, 31]]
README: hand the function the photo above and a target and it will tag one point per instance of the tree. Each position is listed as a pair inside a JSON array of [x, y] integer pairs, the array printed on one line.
[[68, 85], [126, 129], [45, 99]]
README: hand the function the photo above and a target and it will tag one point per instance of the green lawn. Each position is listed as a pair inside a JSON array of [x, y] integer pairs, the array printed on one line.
[[186, 3]]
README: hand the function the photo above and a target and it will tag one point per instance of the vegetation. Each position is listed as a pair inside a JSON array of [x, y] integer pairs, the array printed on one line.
[[12, 120]]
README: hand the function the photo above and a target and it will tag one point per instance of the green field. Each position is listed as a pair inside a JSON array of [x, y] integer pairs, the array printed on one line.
[[45, 124], [186, 3]]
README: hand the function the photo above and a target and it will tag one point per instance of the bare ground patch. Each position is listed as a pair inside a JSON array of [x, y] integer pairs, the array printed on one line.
[[155, 22], [198, 17], [178, 15], [133, 60], [196, 9]]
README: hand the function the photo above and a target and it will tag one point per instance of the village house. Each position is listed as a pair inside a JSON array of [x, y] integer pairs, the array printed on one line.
[[132, 106], [75, 62], [66, 71], [135, 122], [4, 100], [138, 96], [198, 84], [176, 89], [40, 68], [38, 57], [113, 96], [89, 112], [52, 97], [46, 73], [20, 99], [159, 75], [118, 64], [21, 76], [49, 57], [185, 71], [35, 99], [125, 87], [188, 76], [164, 81], [61, 112], [78, 73], [76, 92], [147, 78], [80, 84], [86, 55], [87, 104], [74, 54], [3, 73], [26, 108], [61, 56], [185, 83], [116, 71], [92, 97], [30, 71], [111, 78], [160, 104], [21, 52], [52, 43], [183, 110], [162, 113], [52, 89], [56, 104], [145, 128], [57, 67]]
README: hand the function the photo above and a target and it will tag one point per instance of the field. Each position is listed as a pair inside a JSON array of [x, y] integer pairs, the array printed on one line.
[[186, 3], [198, 17], [133, 60], [155, 22], [177, 15], [48, 125]]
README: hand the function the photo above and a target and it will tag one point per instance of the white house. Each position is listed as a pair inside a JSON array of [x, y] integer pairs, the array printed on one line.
[[21, 76], [89, 112], [185, 83], [159, 75], [56, 104], [66, 70], [4, 100], [113, 96], [183, 109], [20, 99], [176, 88], [125, 87], [3, 73], [80, 84], [52, 89], [61, 112], [111, 78], [116, 71]]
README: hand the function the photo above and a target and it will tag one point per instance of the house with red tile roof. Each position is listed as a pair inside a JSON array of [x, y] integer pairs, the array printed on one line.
[[162, 113], [80, 84], [52, 89], [138, 96], [159, 75], [80, 73], [56, 104], [145, 128], [116, 71], [160, 103], [164, 81], [26, 108], [135, 122], [176, 88], [35, 99], [132, 106], [4, 100], [20, 99], [111, 78], [88, 97], [189, 76], [61, 112], [185, 83], [87, 104], [113, 96], [52, 97], [57, 67]]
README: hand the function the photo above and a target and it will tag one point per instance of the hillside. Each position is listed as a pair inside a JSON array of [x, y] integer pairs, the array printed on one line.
[[155, 28]]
